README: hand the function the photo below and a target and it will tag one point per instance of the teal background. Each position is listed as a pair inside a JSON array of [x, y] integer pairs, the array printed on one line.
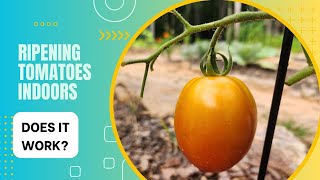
[[77, 23]]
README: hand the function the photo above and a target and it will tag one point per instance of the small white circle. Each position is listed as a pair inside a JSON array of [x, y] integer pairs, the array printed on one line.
[[113, 9], [110, 20]]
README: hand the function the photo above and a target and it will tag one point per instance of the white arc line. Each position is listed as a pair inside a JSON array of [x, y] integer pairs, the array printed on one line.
[[114, 21], [113, 9]]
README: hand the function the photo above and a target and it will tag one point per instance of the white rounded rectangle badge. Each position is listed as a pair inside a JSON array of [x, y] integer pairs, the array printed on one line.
[[45, 135]]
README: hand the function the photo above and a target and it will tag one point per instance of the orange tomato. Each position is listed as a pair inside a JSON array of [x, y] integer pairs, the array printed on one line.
[[165, 35], [215, 122]]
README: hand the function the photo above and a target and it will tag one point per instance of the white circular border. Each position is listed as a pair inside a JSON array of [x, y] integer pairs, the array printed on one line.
[[94, 5], [113, 9]]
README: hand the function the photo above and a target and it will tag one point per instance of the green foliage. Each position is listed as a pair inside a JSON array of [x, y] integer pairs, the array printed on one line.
[[297, 130], [254, 32], [276, 41], [195, 51], [147, 36], [145, 40], [242, 53], [247, 53]]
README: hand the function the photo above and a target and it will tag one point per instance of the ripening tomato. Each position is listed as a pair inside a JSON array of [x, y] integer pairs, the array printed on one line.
[[215, 122]]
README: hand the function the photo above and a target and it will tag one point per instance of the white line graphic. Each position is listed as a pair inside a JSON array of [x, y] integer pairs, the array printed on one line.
[[114, 19]]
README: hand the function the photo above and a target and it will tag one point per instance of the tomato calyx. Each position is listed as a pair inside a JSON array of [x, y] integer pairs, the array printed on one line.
[[209, 67]]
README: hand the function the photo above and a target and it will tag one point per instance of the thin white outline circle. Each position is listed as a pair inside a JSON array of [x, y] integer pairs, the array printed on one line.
[[113, 9], [94, 5]]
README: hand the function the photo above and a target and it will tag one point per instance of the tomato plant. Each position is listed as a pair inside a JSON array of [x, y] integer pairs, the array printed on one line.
[[215, 122], [216, 115]]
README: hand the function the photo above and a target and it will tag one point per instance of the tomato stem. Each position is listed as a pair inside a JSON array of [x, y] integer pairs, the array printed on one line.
[[216, 36], [208, 64], [192, 29], [228, 63], [304, 73], [298, 76], [186, 24], [144, 79]]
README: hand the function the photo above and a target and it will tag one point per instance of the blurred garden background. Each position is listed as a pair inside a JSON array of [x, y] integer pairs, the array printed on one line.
[[145, 126]]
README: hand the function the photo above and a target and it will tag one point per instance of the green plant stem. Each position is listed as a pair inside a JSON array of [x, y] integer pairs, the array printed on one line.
[[307, 56], [165, 46], [298, 76], [144, 78], [216, 36], [210, 63], [186, 24], [304, 73], [235, 18], [191, 29]]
